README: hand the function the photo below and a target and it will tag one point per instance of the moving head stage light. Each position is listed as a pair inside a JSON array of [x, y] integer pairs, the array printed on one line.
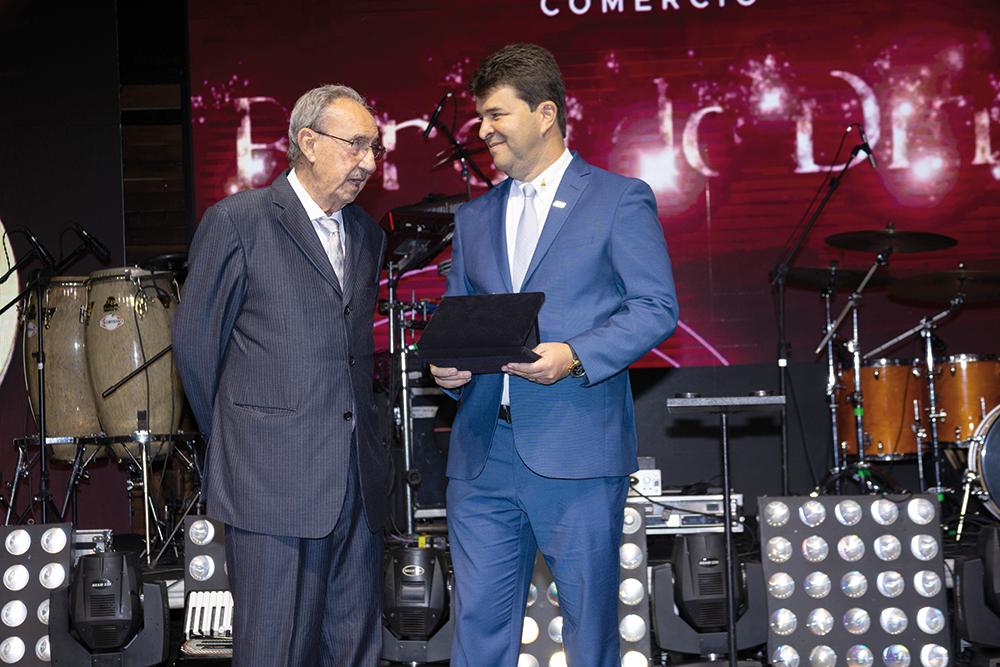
[[417, 626], [690, 612], [103, 621]]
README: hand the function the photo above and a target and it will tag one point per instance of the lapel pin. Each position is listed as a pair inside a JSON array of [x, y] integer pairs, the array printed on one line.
[[559, 204]]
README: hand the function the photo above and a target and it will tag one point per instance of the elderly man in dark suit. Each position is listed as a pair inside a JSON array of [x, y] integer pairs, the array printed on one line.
[[273, 341]]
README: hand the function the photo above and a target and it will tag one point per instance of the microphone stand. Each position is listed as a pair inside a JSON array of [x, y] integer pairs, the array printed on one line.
[[779, 276]]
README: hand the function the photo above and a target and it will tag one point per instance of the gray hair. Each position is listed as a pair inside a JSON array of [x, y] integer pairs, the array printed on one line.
[[309, 110]]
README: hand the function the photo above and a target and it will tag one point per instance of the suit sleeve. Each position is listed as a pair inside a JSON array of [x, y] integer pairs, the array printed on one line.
[[456, 283], [210, 301], [649, 310]]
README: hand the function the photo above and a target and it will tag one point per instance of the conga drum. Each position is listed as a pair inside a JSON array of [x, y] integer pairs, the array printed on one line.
[[968, 388], [69, 403], [128, 323], [891, 389]]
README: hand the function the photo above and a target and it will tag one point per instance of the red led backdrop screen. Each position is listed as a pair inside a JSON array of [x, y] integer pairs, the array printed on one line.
[[732, 110]]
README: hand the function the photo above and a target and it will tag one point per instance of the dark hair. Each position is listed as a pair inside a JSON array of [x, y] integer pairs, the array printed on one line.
[[530, 70]]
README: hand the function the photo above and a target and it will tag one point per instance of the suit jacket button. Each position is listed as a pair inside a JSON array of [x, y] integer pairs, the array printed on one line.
[[348, 416], [350, 361], [347, 310]]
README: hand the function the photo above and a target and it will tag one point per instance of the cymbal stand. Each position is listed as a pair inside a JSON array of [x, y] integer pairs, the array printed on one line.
[[925, 329], [862, 467], [920, 434], [839, 453], [464, 158]]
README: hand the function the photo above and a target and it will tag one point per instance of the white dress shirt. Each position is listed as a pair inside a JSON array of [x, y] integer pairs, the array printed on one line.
[[546, 184], [316, 214]]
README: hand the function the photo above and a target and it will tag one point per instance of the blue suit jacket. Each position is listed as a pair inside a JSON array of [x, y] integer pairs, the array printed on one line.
[[602, 263]]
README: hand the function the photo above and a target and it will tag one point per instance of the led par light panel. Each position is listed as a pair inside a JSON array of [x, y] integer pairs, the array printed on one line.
[[855, 581], [204, 555], [209, 608], [541, 635], [634, 626], [35, 560]]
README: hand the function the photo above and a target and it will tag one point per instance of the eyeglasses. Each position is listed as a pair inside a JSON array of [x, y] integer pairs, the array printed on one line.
[[359, 145]]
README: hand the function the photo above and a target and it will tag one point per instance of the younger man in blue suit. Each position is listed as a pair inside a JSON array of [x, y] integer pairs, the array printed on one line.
[[540, 454]]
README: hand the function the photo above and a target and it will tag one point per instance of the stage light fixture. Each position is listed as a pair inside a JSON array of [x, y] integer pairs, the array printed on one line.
[[417, 626], [690, 608], [208, 606], [103, 619], [877, 597], [34, 561]]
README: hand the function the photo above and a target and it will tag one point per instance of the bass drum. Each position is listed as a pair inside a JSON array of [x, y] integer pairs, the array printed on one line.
[[984, 461], [69, 404], [128, 322]]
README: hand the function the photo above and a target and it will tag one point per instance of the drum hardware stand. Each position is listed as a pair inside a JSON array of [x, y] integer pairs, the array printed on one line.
[[925, 329], [778, 279], [966, 492], [78, 472], [861, 471], [831, 384], [403, 418], [144, 438], [459, 152], [920, 434]]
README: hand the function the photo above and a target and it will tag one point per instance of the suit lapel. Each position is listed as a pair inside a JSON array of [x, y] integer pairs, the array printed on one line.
[[357, 241], [573, 184], [498, 214], [298, 225]]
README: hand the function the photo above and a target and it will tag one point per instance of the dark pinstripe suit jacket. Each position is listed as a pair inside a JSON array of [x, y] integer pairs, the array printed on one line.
[[276, 358]]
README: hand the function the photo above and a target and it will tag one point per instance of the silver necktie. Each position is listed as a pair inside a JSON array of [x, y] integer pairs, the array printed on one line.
[[334, 248], [526, 238]]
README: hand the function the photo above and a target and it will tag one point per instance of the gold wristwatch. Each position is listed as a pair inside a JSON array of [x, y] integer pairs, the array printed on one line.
[[576, 366]]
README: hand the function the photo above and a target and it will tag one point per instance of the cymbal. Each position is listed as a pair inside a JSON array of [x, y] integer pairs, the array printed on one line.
[[836, 279], [877, 240], [939, 288], [450, 154]]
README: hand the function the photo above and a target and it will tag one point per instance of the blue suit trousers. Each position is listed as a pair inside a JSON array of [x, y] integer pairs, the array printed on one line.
[[497, 520]]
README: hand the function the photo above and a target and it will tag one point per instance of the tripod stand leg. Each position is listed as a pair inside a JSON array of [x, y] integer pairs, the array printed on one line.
[[14, 483], [965, 506]]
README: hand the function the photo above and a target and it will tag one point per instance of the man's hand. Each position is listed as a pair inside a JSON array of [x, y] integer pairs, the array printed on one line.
[[552, 367], [450, 378]]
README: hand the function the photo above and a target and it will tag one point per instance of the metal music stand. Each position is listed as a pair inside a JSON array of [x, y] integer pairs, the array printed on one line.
[[725, 406]]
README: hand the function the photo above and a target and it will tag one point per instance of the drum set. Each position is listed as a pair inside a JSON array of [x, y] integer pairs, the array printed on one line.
[[110, 385], [941, 408]]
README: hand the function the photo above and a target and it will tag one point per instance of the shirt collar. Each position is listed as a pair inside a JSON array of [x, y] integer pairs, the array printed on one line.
[[313, 210], [547, 182]]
